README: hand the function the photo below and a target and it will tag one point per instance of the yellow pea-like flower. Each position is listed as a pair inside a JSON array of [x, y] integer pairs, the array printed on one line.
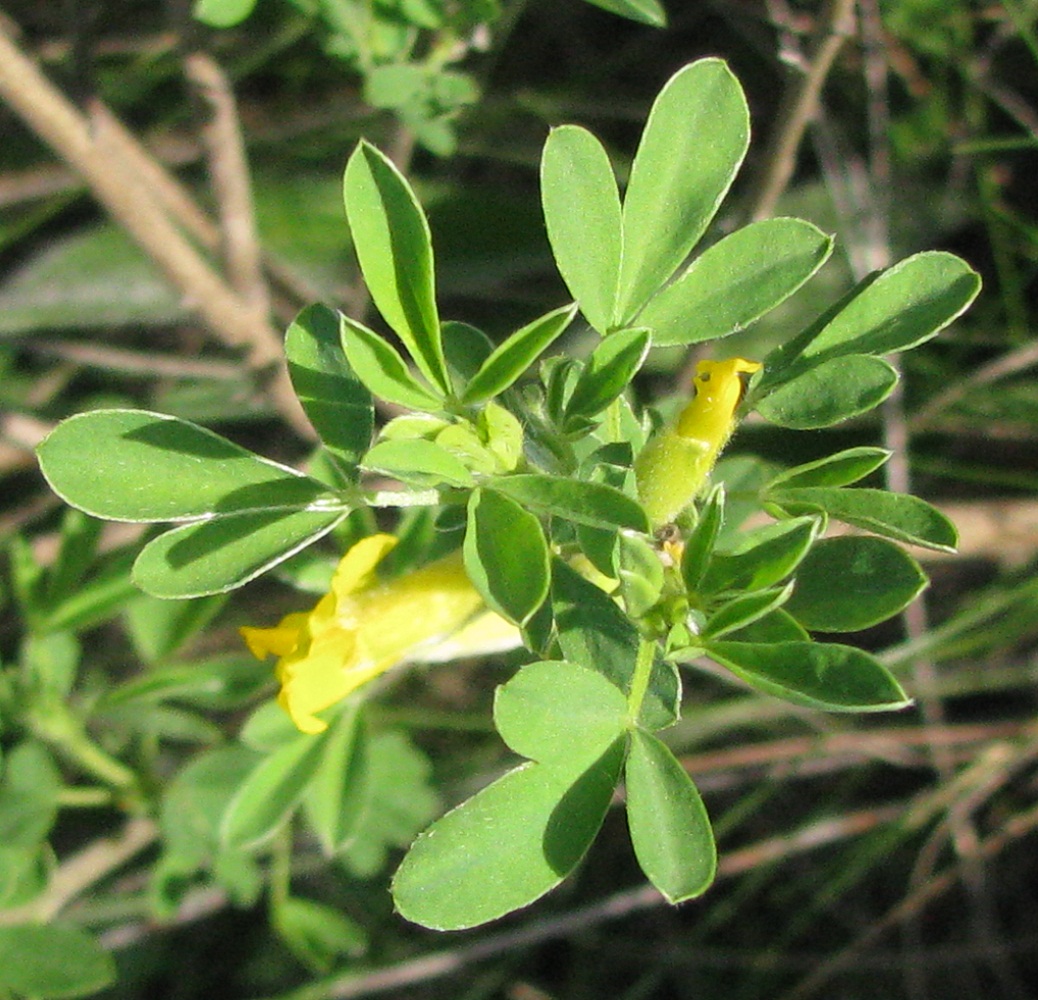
[[362, 627], [674, 465]]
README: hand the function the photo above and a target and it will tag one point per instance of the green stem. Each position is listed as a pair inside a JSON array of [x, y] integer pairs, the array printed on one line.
[[640, 680], [66, 733], [84, 798], [281, 868]]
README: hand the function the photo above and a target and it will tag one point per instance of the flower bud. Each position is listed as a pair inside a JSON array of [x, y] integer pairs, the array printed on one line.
[[673, 467]]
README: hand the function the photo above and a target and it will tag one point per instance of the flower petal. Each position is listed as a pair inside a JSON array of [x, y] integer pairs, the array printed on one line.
[[279, 640], [319, 676], [356, 569]]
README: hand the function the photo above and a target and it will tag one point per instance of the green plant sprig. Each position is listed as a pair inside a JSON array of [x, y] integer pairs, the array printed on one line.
[[561, 537]]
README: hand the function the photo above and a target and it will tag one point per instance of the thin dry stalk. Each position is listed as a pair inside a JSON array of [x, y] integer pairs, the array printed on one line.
[[799, 104], [89, 146], [229, 172]]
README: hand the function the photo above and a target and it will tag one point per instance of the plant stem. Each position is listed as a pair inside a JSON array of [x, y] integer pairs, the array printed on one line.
[[640, 680], [58, 726]]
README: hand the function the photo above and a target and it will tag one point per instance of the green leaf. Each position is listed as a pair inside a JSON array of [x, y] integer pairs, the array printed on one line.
[[50, 664], [511, 358], [220, 683], [595, 633], [222, 13], [24, 873], [821, 675], [745, 609], [640, 570], [646, 11], [692, 146], [96, 599], [76, 555], [669, 825], [340, 791], [896, 515], [270, 794], [850, 583], [582, 214], [132, 465], [79, 280], [607, 373], [394, 85], [28, 795], [904, 306], [560, 714], [736, 281], [506, 555], [776, 626], [394, 246], [699, 545], [158, 628], [466, 348], [403, 800], [381, 368], [595, 504], [196, 560], [830, 392], [506, 846], [336, 402], [52, 962], [196, 800], [417, 460], [267, 728], [519, 837], [841, 469], [317, 935], [762, 556]]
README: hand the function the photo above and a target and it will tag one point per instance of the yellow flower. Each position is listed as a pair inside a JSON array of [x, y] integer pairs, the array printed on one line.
[[363, 627], [674, 465]]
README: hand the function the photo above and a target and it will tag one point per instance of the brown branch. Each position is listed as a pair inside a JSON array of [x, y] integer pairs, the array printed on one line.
[[229, 172], [92, 148], [798, 105], [83, 870], [1018, 826]]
